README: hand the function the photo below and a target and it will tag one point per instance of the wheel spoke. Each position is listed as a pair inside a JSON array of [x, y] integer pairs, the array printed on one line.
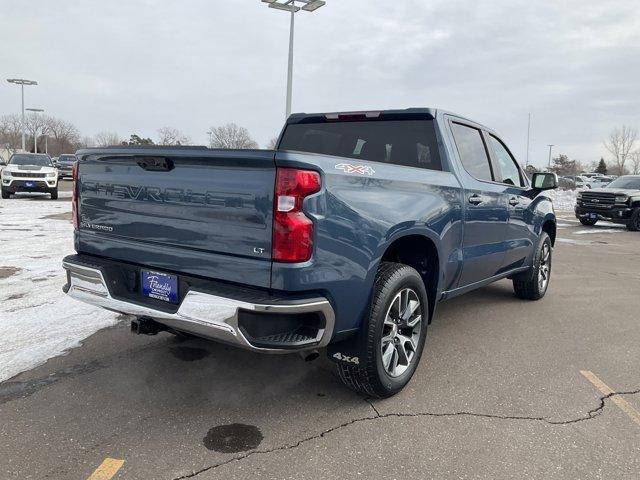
[[401, 348], [414, 321], [387, 355], [394, 361], [386, 339], [405, 339], [410, 310]]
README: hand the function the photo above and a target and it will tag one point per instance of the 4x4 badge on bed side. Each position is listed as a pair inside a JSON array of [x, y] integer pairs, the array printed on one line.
[[360, 169]]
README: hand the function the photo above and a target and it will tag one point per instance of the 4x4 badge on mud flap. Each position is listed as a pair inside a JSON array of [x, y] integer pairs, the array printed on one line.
[[344, 358]]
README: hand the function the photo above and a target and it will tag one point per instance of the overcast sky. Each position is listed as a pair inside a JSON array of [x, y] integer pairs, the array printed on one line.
[[133, 66]]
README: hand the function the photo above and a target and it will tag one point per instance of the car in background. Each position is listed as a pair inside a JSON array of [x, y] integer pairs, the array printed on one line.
[[566, 183], [578, 181], [590, 176], [599, 182], [65, 165], [29, 172], [618, 202]]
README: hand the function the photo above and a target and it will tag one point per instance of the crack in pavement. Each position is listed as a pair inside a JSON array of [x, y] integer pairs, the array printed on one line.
[[378, 416]]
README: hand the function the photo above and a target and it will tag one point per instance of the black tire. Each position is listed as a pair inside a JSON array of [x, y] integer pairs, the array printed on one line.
[[589, 222], [54, 194], [5, 194], [528, 286], [370, 377], [634, 221]]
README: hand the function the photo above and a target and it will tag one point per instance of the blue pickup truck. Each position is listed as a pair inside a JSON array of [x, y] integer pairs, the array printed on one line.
[[347, 236]]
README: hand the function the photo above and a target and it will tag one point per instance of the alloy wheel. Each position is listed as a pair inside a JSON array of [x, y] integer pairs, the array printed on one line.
[[544, 271], [401, 332]]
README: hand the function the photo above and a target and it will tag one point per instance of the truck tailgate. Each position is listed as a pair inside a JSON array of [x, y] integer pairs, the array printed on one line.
[[193, 211]]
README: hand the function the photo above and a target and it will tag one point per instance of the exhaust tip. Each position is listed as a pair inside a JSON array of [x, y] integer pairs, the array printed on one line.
[[309, 355]]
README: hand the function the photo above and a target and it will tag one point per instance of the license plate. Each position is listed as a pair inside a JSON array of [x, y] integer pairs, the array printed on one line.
[[160, 286], [593, 216], [29, 184]]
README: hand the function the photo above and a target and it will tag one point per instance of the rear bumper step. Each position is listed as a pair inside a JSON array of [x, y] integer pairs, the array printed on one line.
[[247, 324]]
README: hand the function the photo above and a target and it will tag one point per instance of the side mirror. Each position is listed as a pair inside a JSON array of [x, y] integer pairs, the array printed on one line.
[[544, 181]]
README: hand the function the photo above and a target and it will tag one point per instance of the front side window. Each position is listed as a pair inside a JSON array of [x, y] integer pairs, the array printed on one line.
[[411, 143], [473, 154], [508, 167]]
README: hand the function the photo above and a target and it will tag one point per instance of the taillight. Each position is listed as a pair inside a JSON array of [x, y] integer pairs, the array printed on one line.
[[292, 229], [74, 195]]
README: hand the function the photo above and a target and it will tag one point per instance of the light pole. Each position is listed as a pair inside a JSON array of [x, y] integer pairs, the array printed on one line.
[[526, 162], [550, 147], [22, 82], [210, 133], [290, 6], [35, 131]]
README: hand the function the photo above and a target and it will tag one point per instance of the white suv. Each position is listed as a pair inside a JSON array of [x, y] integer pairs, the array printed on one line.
[[29, 172]]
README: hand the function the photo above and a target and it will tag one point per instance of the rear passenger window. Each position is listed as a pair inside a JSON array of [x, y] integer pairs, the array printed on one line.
[[508, 168], [411, 143], [473, 153]]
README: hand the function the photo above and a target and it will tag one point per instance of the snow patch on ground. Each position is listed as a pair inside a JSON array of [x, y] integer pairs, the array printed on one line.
[[563, 200], [37, 320], [598, 230]]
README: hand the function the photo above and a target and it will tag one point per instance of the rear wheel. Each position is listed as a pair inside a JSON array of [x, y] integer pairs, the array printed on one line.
[[533, 284], [396, 331], [634, 221], [589, 222]]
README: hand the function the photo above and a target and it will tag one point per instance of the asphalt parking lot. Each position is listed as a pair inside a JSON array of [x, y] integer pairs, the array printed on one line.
[[505, 389]]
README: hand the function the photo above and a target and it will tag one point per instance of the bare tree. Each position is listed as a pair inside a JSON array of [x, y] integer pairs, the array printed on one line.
[[172, 136], [36, 125], [64, 134], [620, 143], [231, 136], [11, 132], [635, 162], [272, 143], [86, 141], [107, 139]]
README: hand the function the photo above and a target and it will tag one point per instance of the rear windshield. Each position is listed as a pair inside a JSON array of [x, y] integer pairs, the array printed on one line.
[[630, 183], [67, 158], [26, 159], [410, 143]]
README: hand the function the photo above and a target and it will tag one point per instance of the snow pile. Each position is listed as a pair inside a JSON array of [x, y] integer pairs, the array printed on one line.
[[563, 200], [37, 320]]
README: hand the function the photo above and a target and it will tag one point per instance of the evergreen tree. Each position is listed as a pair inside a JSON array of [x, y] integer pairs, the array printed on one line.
[[137, 140], [602, 167]]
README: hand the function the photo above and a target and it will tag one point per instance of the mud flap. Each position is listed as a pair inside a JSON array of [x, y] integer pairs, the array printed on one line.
[[351, 351]]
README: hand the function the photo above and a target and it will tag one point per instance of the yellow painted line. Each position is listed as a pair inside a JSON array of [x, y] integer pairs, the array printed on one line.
[[107, 469], [620, 402]]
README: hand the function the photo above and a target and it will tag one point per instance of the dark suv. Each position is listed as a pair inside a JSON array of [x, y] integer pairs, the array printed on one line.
[[618, 202], [65, 165]]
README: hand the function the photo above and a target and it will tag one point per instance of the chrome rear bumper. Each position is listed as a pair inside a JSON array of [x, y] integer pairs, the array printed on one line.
[[199, 313]]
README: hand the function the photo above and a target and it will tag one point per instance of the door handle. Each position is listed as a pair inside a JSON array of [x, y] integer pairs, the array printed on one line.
[[475, 199], [513, 201]]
